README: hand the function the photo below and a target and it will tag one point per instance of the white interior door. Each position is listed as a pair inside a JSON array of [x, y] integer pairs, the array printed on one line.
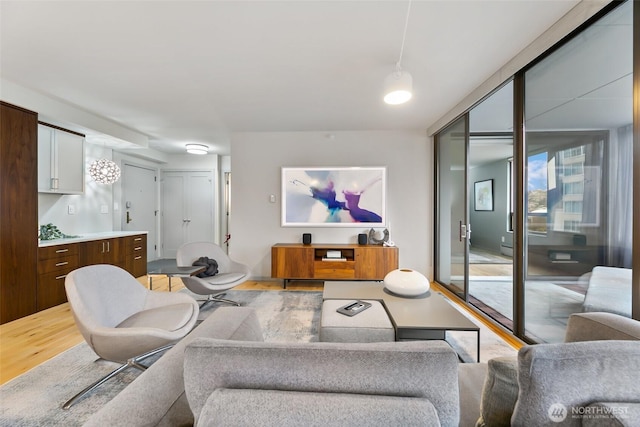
[[173, 212], [187, 209], [139, 202], [200, 226]]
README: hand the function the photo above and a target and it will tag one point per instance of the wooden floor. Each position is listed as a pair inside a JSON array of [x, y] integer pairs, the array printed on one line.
[[32, 340]]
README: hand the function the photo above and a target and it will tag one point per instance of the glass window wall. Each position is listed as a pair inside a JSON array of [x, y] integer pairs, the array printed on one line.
[[578, 121]]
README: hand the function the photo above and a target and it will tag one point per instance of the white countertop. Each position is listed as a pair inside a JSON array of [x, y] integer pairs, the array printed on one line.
[[88, 237]]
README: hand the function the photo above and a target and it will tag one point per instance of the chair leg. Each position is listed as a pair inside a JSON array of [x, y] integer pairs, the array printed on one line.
[[218, 298], [134, 362]]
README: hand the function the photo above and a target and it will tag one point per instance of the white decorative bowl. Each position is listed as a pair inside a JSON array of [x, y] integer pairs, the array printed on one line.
[[406, 282]]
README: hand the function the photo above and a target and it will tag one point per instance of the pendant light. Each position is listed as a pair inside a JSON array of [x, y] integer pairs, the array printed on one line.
[[104, 171], [398, 85]]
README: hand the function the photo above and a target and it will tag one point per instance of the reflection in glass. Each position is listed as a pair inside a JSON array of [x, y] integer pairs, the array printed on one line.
[[578, 121]]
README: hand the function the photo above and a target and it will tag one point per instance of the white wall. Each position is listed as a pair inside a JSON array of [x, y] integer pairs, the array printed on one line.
[[256, 161]]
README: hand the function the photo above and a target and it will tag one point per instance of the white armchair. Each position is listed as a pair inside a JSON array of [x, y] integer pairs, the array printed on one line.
[[230, 273], [121, 320]]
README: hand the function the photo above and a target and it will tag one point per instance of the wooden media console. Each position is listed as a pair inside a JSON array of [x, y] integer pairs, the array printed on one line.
[[294, 261]]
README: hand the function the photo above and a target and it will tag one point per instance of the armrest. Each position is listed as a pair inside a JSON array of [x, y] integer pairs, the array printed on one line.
[[597, 326]]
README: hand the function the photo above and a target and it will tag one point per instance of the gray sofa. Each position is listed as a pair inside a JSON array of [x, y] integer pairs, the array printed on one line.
[[233, 378], [593, 378]]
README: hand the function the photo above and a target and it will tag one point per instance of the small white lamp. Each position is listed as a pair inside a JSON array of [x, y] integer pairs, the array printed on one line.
[[398, 85]]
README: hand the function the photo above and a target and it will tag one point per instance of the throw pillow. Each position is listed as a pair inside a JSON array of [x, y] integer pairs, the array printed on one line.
[[211, 266], [499, 393]]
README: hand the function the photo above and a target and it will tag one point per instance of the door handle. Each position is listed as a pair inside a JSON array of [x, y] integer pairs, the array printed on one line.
[[465, 231], [128, 218]]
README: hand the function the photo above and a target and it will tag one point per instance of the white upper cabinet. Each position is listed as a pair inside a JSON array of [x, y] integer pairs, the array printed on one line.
[[60, 161]]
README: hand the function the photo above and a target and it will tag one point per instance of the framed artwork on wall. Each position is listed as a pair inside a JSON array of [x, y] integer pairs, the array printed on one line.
[[483, 195], [333, 197]]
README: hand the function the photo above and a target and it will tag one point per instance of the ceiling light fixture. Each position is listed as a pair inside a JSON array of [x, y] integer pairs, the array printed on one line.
[[399, 84], [197, 149], [104, 171]]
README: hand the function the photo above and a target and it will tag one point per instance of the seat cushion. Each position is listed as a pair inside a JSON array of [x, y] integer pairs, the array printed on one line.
[[169, 318], [224, 278]]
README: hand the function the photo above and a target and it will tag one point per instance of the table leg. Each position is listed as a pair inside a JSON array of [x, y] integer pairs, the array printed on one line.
[[169, 283], [150, 280], [478, 344]]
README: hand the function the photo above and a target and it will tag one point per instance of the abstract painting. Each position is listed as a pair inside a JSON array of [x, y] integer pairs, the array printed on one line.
[[483, 191], [333, 197]]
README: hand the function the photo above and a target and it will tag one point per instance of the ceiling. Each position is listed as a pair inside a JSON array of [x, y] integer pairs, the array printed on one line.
[[196, 71]]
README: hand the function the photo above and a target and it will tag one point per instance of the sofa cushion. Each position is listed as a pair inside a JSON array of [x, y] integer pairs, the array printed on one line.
[[557, 379], [265, 408], [425, 369], [499, 393]]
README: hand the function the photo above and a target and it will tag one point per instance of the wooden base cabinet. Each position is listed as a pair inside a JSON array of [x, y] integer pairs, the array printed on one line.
[[105, 251], [54, 263], [136, 254], [356, 262]]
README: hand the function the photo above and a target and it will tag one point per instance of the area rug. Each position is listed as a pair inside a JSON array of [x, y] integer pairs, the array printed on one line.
[[35, 398]]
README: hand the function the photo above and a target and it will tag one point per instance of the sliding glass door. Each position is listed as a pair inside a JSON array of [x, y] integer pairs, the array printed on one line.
[[568, 176], [490, 195], [452, 231]]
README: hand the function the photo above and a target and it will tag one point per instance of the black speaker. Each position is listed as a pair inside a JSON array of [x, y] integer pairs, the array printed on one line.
[[306, 238], [362, 239]]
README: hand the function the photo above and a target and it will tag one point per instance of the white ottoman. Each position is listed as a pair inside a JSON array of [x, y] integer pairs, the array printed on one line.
[[371, 325]]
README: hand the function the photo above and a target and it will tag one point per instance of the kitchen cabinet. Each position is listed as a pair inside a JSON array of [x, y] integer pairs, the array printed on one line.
[[103, 251], [136, 254], [54, 263], [60, 160], [18, 212]]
